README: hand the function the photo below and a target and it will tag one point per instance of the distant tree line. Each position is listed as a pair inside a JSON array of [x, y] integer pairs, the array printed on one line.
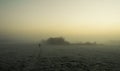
[[56, 41], [62, 41]]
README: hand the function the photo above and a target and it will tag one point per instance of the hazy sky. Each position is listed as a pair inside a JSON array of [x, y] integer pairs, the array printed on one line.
[[76, 20]]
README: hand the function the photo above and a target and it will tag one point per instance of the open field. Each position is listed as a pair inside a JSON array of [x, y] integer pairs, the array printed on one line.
[[59, 58]]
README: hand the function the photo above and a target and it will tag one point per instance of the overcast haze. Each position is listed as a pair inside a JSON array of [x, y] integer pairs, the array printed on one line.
[[76, 20]]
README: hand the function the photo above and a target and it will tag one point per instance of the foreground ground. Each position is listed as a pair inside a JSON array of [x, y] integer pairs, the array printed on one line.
[[59, 58]]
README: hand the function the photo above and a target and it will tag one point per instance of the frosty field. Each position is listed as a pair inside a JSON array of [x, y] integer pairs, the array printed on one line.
[[30, 57]]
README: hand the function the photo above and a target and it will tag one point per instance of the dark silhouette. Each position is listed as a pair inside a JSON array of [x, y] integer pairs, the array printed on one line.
[[57, 41], [39, 45], [62, 41]]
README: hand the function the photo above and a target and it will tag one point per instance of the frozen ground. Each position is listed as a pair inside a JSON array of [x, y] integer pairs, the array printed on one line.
[[59, 58]]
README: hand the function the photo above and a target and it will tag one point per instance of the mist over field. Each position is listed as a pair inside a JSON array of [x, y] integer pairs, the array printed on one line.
[[59, 35], [30, 57]]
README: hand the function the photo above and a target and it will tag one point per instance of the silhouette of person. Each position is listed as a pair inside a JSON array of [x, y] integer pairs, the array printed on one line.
[[39, 45]]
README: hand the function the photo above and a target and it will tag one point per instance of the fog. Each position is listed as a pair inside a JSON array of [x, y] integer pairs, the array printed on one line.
[[75, 20]]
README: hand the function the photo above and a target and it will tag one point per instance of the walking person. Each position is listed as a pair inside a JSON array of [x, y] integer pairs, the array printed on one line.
[[40, 50], [39, 45]]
